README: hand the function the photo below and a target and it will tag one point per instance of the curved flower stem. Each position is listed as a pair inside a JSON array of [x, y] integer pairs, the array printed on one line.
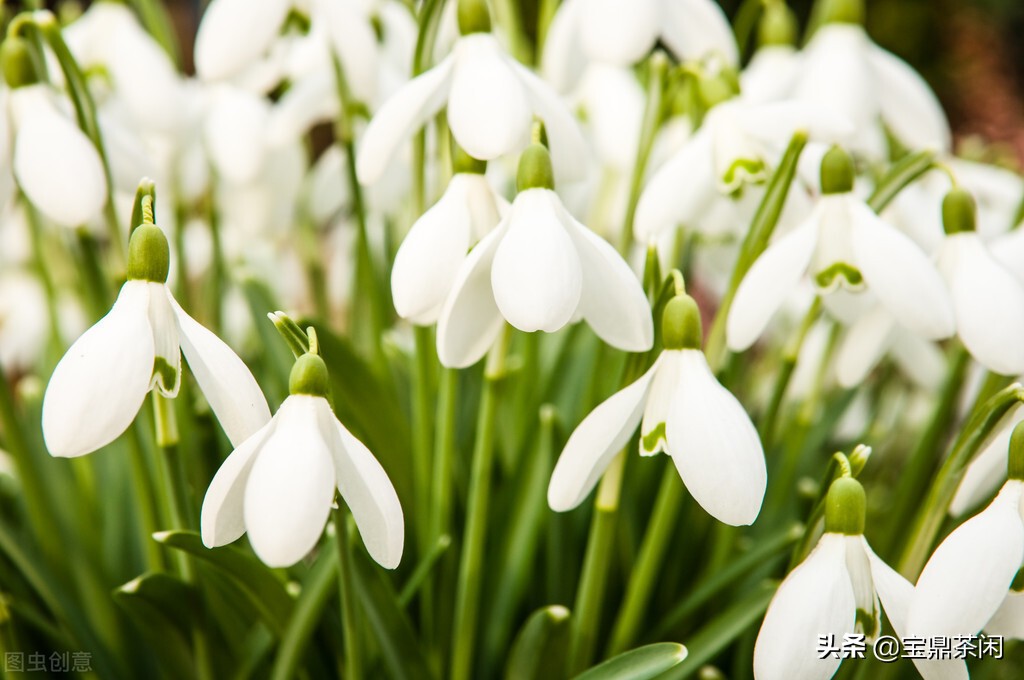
[[429, 20], [654, 111], [933, 510], [900, 174], [348, 597], [790, 356], [467, 600]]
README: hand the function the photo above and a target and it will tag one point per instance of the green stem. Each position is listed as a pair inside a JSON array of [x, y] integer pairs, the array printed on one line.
[[649, 561], [902, 173], [348, 597], [429, 21], [467, 602], [423, 425], [144, 495], [158, 22]]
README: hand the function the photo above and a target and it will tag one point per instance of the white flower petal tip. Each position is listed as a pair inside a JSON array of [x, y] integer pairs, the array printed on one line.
[[714, 445], [234, 33], [99, 385]]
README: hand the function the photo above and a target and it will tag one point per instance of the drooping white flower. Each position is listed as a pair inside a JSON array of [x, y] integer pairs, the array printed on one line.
[[621, 34], [278, 485], [100, 384], [682, 410], [540, 269], [491, 100], [839, 589], [843, 243], [430, 256]]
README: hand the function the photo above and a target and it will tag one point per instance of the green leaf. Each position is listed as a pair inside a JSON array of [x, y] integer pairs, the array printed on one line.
[[541, 646], [257, 581], [162, 608], [641, 663]]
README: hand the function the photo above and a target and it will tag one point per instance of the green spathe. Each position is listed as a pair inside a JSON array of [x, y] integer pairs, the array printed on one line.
[[16, 62], [959, 211], [535, 171], [149, 256], [474, 17], [680, 324], [836, 172], [1015, 464], [308, 376], [845, 506]]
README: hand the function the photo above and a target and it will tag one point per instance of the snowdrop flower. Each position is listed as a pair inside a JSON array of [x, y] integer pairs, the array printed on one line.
[[966, 582], [682, 410], [843, 243], [278, 484], [54, 163], [988, 301], [622, 33], [839, 589], [844, 71], [987, 472], [99, 385], [491, 100], [540, 269], [772, 72], [429, 258]]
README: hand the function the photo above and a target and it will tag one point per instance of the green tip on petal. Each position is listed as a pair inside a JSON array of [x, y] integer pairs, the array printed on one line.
[[1015, 465], [836, 172], [959, 211], [680, 324], [474, 17], [535, 171], [842, 12], [149, 256], [308, 376], [463, 163], [16, 62], [778, 25], [845, 506]]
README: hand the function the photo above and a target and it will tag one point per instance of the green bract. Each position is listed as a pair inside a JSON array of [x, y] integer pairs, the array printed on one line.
[[535, 171], [680, 324], [836, 172], [149, 256], [845, 506], [959, 211], [16, 63], [474, 17], [308, 376], [842, 12], [1015, 464], [778, 25]]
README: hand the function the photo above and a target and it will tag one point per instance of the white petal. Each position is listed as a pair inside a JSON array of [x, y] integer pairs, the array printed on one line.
[[234, 33], [896, 593], [815, 599], [487, 108], [908, 105], [919, 359], [222, 520], [679, 190], [987, 471], [400, 116], [696, 29], [863, 346], [968, 575], [291, 485], [309, 101], [224, 379], [428, 260], [470, 320], [612, 300], [768, 282], [595, 441], [55, 164], [858, 565], [989, 305], [663, 388], [165, 340], [235, 133], [619, 33], [536, 275], [563, 60], [771, 74], [570, 154], [367, 491], [900, 274], [1009, 619], [714, 445], [353, 40], [99, 385]]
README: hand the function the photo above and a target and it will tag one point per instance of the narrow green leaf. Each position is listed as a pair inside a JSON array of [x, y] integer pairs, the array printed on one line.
[[160, 605], [541, 646], [641, 663]]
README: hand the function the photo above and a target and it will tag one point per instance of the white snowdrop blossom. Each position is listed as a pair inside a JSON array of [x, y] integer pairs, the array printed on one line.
[[621, 34], [842, 244], [278, 485], [839, 589], [101, 382], [540, 269], [682, 410], [965, 586], [491, 101], [430, 256]]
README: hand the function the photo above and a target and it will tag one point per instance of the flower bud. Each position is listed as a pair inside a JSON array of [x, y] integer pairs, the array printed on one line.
[[680, 324], [836, 172], [535, 171], [778, 25], [1015, 464], [308, 376], [149, 256], [16, 62], [845, 507], [474, 17], [959, 211]]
